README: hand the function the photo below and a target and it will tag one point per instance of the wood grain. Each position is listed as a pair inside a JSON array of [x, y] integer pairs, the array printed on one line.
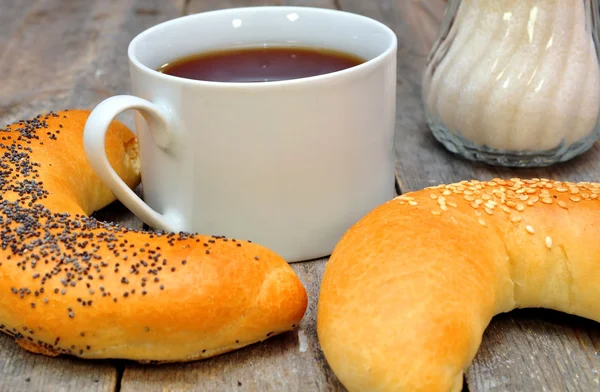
[[11, 18], [560, 361], [516, 350], [289, 362], [65, 53], [195, 6], [24, 372]]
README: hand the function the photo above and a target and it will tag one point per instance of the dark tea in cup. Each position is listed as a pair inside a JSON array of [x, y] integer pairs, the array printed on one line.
[[260, 64]]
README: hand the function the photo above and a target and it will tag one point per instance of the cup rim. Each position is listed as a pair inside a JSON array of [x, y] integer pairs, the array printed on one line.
[[348, 72]]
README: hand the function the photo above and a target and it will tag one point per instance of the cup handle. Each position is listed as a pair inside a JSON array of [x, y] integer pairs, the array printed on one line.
[[94, 143]]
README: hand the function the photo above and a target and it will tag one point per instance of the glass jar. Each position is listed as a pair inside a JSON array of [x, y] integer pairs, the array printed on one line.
[[515, 82]]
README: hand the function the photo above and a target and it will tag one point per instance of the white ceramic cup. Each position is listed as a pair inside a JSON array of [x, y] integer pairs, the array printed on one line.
[[289, 164]]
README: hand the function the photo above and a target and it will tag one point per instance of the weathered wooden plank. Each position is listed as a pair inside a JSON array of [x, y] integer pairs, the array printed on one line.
[[560, 360], [11, 17], [289, 362], [24, 372], [512, 346], [81, 58], [195, 6], [38, 74]]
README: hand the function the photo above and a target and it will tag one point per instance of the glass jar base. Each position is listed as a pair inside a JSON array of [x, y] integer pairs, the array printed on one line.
[[471, 151]]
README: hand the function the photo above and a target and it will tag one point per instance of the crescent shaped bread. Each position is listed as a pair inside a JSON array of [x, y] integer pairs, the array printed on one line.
[[410, 288], [70, 284]]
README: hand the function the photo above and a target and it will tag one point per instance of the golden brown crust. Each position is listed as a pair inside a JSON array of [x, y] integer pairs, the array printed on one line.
[[70, 284], [409, 289], [36, 348]]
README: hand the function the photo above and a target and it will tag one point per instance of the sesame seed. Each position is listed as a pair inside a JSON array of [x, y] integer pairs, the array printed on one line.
[[547, 200], [482, 222], [436, 212], [412, 203], [548, 242], [529, 229], [575, 199]]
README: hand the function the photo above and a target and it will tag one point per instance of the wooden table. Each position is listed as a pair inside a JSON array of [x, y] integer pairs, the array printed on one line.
[[72, 53]]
